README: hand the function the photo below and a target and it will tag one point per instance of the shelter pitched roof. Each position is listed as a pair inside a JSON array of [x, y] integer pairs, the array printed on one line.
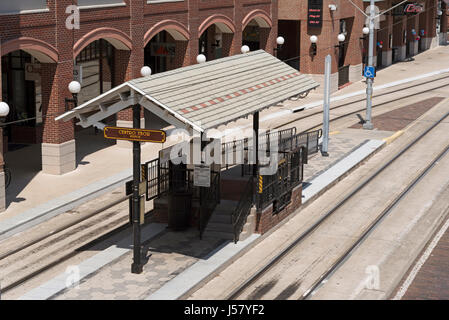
[[203, 96]]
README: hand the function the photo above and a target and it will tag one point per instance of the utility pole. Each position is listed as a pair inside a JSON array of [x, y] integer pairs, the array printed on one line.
[[369, 81]]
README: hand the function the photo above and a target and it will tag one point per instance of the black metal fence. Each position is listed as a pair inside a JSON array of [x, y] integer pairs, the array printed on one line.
[[277, 188], [343, 75]]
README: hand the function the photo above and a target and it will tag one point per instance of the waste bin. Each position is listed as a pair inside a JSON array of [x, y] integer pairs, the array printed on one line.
[[179, 210]]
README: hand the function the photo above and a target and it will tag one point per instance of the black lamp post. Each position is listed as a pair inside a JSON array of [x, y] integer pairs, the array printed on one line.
[[74, 88]]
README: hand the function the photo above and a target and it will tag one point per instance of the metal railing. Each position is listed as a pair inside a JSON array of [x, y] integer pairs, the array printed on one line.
[[210, 198], [343, 75], [243, 209]]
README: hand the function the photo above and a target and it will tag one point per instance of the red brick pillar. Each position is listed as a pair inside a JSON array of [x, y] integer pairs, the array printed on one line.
[[267, 40], [443, 26], [131, 70], [399, 43], [237, 37], [58, 140], [181, 57], [227, 44], [194, 16], [386, 29], [355, 48]]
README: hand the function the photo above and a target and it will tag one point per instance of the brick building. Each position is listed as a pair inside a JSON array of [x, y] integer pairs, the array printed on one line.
[[398, 34], [41, 47]]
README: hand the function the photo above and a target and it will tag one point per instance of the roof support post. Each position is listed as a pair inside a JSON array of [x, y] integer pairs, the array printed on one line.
[[137, 266], [256, 143]]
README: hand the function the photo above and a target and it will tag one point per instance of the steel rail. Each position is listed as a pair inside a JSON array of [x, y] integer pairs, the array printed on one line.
[[364, 108], [73, 252], [63, 228], [374, 224], [275, 260]]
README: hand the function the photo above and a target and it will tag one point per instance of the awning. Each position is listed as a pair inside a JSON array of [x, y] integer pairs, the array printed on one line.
[[202, 96]]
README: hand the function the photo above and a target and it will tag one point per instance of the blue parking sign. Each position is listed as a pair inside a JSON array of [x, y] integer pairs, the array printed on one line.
[[370, 72]]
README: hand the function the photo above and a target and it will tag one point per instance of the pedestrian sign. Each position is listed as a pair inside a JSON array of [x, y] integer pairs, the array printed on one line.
[[369, 72]]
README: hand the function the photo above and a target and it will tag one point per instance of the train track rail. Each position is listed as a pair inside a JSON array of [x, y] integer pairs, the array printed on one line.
[[46, 252], [350, 113], [278, 258]]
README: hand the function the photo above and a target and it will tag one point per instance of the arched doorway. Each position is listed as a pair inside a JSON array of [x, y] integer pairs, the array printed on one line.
[[216, 37], [256, 31], [166, 46], [93, 68]]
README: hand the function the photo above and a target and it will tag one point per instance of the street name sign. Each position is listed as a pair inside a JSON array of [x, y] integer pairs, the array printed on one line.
[[130, 134]]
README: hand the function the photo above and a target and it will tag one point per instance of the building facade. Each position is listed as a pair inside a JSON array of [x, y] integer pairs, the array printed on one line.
[[401, 33], [45, 44]]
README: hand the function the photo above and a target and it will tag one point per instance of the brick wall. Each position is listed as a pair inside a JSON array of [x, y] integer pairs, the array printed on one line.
[[267, 220], [127, 24]]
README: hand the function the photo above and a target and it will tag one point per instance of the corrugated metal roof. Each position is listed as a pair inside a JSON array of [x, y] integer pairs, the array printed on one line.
[[213, 93]]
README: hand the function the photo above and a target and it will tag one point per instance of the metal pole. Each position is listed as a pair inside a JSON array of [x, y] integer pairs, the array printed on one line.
[[137, 259], [369, 81], [256, 142], [326, 106]]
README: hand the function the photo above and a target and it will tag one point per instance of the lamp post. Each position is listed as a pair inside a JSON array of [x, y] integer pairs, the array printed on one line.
[[201, 58], [74, 88], [279, 41], [369, 81], [4, 111], [244, 49], [313, 40]]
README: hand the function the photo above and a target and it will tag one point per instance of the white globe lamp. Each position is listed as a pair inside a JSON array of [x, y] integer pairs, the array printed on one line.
[[341, 37], [280, 41], [365, 30], [313, 39], [145, 71], [245, 49], [201, 58], [4, 109], [74, 87]]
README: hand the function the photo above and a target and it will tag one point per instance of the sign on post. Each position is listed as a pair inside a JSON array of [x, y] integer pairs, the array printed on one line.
[[369, 72], [130, 134], [201, 176]]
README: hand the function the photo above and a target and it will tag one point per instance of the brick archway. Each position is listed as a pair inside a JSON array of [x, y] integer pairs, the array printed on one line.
[[177, 30], [41, 50], [225, 24], [119, 39], [261, 17]]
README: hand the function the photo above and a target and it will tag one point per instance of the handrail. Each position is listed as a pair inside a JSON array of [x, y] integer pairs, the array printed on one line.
[[210, 197], [243, 209]]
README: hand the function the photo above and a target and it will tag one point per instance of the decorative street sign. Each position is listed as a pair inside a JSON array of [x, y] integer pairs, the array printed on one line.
[[130, 134], [201, 176]]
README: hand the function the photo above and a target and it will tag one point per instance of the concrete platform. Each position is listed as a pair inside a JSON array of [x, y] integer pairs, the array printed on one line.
[[173, 273]]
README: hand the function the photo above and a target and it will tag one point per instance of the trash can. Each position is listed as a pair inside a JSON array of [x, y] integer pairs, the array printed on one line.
[[179, 210]]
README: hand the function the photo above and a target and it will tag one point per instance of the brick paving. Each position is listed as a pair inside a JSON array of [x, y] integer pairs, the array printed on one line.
[[432, 280], [400, 118], [171, 253]]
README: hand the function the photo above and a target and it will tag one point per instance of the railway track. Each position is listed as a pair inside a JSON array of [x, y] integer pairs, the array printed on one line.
[[264, 280], [318, 114], [36, 256]]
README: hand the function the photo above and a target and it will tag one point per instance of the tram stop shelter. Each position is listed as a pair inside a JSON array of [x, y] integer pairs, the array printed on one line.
[[202, 97]]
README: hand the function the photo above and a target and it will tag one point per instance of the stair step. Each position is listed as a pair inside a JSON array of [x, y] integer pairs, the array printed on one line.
[[220, 234], [225, 227], [220, 218]]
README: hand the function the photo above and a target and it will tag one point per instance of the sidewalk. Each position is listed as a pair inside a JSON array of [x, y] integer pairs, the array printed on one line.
[[179, 260], [102, 166]]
